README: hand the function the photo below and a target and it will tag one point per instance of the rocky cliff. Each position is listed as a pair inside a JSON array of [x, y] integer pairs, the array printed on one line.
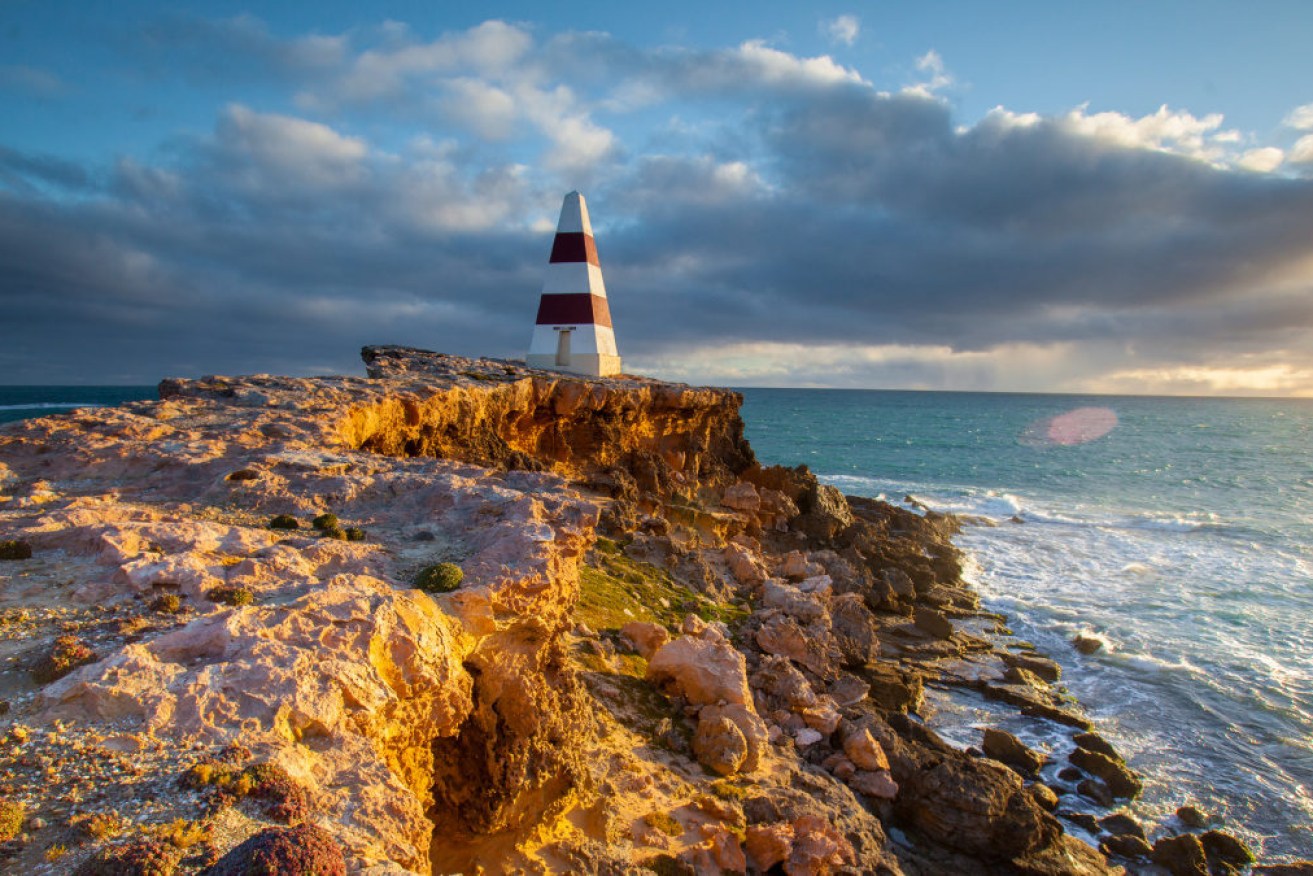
[[632, 649]]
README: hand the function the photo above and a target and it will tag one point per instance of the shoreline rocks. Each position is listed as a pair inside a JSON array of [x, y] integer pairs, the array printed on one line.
[[656, 650]]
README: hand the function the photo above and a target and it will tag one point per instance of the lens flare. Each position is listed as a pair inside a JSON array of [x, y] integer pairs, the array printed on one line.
[[1074, 427]]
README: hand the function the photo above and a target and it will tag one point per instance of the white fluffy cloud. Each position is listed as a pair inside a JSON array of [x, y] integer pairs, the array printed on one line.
[[1300, 118], [843, 29]]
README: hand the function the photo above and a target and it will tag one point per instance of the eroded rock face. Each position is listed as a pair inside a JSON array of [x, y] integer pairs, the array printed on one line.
[[453, 728]]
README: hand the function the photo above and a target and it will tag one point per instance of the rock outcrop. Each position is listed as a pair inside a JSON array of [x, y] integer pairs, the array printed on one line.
[[660, 656]]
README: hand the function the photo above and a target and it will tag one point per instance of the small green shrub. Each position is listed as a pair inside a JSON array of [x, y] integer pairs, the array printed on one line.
[[354, 533], [442, 578], [234, 596], [284, 521], [244, 474], [15, 550], [334, 532], [67, 654], [325, 521], [11, 819], [291, 850], [664, 822], [166, 603]]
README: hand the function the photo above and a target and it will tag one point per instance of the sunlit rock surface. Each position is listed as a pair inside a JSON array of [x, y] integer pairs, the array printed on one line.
[[514, 723]]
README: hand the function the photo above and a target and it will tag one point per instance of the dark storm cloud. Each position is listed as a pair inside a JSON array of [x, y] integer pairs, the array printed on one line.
[[799, 206]]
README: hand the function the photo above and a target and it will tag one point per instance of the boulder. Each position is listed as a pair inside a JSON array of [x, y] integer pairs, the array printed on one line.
[[744, 565], [862, 749], [1119, 777], [805, 608], [1086, 644], [853, 626], [1008, 749], [1181, 855], [1126, 846], [1044, 796], [705, 670], [825, 513], [978, 807], [933, 622], [749, 724], [1219, 846], [741, 497], [768, 844], [796, 567], [645, 637], [878, 784], [1121, 824], [719, 745]]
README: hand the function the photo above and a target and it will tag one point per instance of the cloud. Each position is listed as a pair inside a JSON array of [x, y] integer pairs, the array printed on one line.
[[763, 217], [935, 76], [844, 29], [31, 81], [1300, 118]]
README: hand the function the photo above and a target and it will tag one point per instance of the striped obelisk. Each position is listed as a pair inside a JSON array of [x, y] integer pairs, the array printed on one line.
[[573, 330]]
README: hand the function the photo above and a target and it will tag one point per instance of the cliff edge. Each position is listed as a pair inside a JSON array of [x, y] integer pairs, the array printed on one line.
[[631, 648]]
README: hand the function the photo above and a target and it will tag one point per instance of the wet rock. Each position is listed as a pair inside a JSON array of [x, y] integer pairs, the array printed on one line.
[[1121, 824], [719, 745], [1008, 749], [933, 622], [1083, 820], [1126, 846], [1181, 855], [1192, 816], [1036, 703], [1041, 666], [1219, 846], [1119, 778], [1294, 868], [1044, 796], [1092, 741], [1096, 790], [1086, 644]]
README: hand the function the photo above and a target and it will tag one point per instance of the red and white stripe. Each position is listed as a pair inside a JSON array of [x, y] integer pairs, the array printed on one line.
[[573, 330]]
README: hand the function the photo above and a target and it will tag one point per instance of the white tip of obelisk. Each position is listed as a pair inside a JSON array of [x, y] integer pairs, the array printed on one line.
[[574, 215]]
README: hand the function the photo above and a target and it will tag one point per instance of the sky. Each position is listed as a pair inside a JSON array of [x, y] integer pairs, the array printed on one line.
[[1027, 196]]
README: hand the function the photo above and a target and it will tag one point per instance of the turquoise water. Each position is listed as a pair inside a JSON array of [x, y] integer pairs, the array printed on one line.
[[1183, 538], [22, 402]]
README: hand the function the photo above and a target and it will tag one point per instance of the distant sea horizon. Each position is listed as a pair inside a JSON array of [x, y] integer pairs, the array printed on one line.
[[1177, 530]]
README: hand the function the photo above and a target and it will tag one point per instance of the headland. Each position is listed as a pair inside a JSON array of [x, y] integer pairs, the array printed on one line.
[[463, 616]]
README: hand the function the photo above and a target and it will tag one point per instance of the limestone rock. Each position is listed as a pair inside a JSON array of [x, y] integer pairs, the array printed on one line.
[[645, 637], [750, 724], [703, 670], [719, 745], [878, 784], [862, 749], [742, 497]]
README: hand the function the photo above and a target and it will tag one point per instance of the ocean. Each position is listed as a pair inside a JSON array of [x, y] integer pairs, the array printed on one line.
[[23, 402], [1178, 531]]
